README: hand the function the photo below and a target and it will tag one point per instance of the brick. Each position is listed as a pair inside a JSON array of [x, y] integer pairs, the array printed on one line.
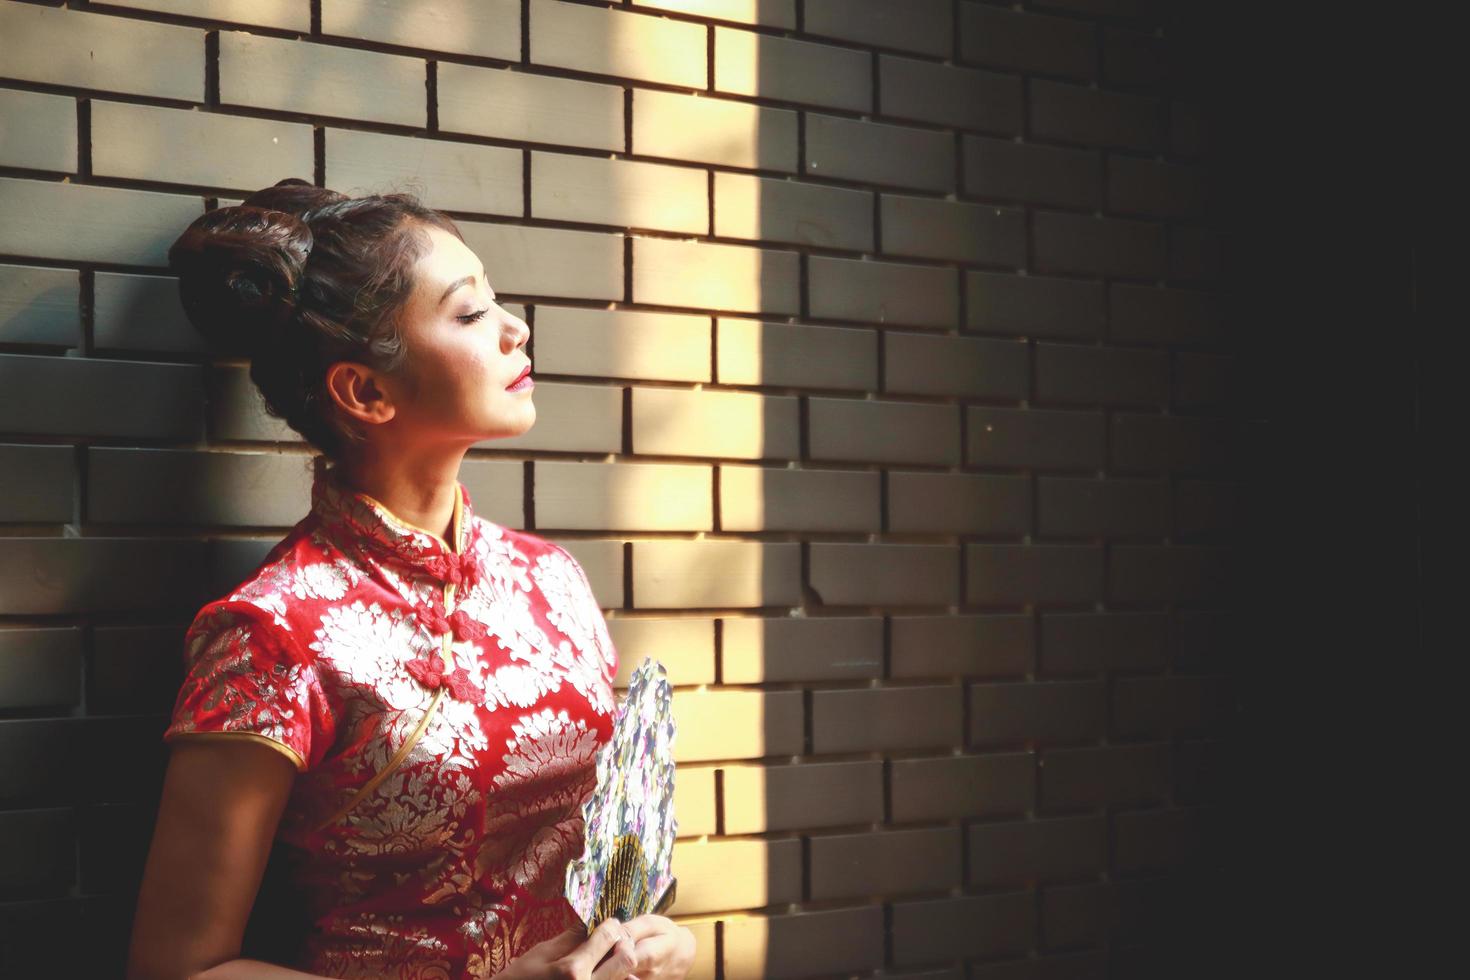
[[1036, 851], [97, 51], [1095, 117], [960, 503], [622, 343], [976, 925], [1145, 314], [1160, 573], [602, 560], [703, 574], [711, 130], [1077, 915], [886, 863], [883, 431], [999, 302], [622, 193], [765, 649], [229, 561], [946, 646], [1091, 375], [948, 365], [43, 306], [1159, 189], [87, 223], [124, 398], [487, 28], [608, 41], [1090, 643], [571, 418], [447, 175], [684, 645], [1071, 507], [39, 483], [737, 724], [135, 669], [1033, 437], [943, 229], [42, 576], [40, 668], [1189, 134], [38, 853], [237, 410], [517, 105], [1032, 173], [320, 79], [1028, 42], [694, 801], [1097, 246], [754, 352], [770, 498], [879, 153], [952, 786], [40, 130], [1206, 508], [783, 210], [1208, 381], [184, 146], [164, 486], [1206, 640], [1203, 771], [1133, 58], [1112, 775], [1070, 966], [497, 488], [1175, 443], [624, 496], [862, 574], [1033, 573], [735, 874], [803, 943], [744, 425], [925, 26], [949, 95], [549, 261], [791, 70], [113, 847], [1032, 712], [1158, 840], [285, 14], [759, 799], [770, 13], [1161, 706], [710, 275], [141, 313], [883, 292], [885, 719]]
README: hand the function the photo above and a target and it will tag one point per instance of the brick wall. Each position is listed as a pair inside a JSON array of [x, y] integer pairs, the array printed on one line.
[[889, 400]]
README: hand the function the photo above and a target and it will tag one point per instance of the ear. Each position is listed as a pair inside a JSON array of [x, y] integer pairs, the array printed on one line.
[[357, 390]]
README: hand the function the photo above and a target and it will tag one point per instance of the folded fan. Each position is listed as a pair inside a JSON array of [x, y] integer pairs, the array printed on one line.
[[624, 870]]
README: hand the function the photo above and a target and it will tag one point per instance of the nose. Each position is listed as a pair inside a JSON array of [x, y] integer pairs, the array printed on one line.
[[515, 333]]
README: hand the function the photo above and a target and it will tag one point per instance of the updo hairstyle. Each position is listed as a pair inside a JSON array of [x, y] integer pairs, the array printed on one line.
[[298, 277]]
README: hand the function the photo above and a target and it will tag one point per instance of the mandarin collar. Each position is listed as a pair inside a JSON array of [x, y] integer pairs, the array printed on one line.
[[355, 518]]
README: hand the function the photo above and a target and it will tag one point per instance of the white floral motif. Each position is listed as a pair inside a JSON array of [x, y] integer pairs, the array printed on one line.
[[546, 745], [369, 646], [324, 580]]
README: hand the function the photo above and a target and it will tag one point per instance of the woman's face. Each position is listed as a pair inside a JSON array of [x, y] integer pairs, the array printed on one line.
[[463, 353]]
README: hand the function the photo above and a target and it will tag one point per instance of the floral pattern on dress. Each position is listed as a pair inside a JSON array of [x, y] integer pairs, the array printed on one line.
[[443, 703]]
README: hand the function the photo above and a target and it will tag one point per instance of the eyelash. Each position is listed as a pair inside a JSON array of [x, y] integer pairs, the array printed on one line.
[[472, 317]]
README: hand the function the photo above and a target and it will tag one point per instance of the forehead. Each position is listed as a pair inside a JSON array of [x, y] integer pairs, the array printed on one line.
[[447, 259]]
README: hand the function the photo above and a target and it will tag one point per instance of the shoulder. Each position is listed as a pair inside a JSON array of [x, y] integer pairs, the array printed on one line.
[[527, 544], [299, 573]]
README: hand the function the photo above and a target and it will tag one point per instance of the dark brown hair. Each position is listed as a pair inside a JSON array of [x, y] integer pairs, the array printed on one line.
[[297, 277]]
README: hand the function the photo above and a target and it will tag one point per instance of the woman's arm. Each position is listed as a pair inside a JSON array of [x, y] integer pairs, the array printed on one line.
[[222, 803]]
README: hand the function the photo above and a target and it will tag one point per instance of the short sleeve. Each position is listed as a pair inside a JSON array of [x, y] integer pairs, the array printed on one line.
[[243, 679]]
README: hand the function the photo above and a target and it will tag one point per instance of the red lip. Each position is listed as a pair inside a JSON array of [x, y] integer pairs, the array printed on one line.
[[524, 372]]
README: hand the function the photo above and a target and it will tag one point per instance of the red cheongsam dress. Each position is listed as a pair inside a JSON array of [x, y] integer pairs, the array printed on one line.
[[443, 707]]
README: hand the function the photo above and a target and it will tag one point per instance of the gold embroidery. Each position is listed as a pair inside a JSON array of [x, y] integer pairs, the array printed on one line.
[[285, 750], [448, 657]]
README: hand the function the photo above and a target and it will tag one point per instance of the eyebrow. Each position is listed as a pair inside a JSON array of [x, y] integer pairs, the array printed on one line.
[[457, 283]]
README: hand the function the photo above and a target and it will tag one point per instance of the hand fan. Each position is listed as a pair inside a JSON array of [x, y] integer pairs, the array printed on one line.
[[624, 870]]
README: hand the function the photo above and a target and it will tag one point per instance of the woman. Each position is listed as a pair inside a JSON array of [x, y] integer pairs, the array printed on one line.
[[404, 699]]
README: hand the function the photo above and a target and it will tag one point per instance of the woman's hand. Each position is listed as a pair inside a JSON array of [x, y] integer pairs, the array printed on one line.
[[575, 956], [664, 950]]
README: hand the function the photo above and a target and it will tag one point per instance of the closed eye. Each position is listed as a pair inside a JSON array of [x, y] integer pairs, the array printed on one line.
[[472, 317]]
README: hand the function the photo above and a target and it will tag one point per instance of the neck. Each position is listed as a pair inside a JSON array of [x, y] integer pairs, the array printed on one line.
[[417, 488]]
